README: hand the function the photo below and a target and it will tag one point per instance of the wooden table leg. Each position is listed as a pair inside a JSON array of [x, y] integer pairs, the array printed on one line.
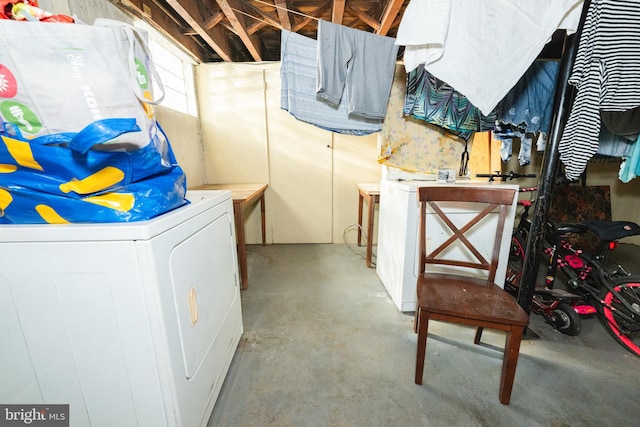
[[238, 213], [264, 234], [360, 200], [372, 209]]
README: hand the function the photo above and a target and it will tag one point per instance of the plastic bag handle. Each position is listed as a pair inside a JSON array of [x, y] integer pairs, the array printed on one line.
[[98, 132], [131, 33]]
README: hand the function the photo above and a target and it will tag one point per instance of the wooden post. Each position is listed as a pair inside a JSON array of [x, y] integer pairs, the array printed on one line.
[[550, 165]]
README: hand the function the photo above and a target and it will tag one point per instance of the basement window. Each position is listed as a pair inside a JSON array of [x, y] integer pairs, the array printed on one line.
[[175, 69]]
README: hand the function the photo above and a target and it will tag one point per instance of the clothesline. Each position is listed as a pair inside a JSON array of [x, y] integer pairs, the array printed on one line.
[[288, 10], [251, 16]]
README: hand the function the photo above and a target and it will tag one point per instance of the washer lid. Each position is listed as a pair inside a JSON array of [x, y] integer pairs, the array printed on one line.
[[200, 201]]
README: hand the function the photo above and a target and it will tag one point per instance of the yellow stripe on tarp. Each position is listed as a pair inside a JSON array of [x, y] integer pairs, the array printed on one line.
[[100, 180], [5, 168], [50, 215], [5, 199], [117, 201], [21, 153]]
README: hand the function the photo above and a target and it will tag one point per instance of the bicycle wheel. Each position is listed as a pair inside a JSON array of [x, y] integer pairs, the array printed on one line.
[[515, 265], [621, 321]]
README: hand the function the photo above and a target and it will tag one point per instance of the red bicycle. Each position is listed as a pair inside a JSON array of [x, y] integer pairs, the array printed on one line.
[[561, 309], [596, 286]]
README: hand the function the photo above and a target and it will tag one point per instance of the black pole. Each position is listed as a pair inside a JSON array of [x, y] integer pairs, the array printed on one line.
[[550, 165]]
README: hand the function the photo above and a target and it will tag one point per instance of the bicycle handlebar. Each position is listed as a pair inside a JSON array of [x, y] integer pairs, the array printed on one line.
[[505, 176]]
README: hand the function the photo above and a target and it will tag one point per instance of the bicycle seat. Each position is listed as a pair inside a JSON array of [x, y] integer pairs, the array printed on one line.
[[612, 230], [562, 228]]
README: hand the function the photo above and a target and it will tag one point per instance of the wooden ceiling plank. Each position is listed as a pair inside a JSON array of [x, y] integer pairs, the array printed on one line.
[[315, 12], [213, 20], [243, 30], [188, 10], [251, 42], [229, 28], [252, 29], [265, 17], [367, 19], [337, 11], [283, 13], [389, 16]]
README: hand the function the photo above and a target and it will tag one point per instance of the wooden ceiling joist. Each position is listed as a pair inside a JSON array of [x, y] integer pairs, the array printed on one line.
[[309, 16], [248, 30], [262, 19], [238, 22], [213, 20], [367, 19], [389, 16], [337, 11], [283, 14], [188, 10], [257, 26]]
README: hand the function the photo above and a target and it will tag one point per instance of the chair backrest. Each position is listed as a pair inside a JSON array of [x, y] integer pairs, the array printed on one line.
[[481, 201]]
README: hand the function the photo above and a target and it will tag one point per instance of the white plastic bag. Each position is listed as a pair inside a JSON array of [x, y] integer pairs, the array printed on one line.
[[61, 77]]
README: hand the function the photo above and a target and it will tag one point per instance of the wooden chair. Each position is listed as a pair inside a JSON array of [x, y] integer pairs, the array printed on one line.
[[454, 297]]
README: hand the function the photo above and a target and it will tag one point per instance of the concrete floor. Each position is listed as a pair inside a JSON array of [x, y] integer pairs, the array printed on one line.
[[325, 346]]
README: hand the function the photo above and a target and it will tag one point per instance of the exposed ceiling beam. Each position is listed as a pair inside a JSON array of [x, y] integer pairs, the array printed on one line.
[[213, 20], [162, 21], [367, 19], [235, 14], [252, 29], [283, 14], [229, 28], [337, 12], [215, 37], [389, 16], [248, 30], [264, 18], [315, 12]]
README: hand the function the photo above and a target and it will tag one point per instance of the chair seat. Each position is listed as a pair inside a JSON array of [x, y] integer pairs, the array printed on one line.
[[487, 302]]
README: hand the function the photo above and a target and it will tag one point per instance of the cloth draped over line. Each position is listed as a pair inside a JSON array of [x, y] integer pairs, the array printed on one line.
[[527, 109], [606, 74], [413, 145], [357, 65], [432, 100], [467, 43], [298, 90], [529, 104]]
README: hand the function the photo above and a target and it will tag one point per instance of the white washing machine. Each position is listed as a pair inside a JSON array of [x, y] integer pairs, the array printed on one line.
[[130, 324], [397, 252]]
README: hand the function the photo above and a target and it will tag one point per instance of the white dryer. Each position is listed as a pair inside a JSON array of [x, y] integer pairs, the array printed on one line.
[[130, 324]]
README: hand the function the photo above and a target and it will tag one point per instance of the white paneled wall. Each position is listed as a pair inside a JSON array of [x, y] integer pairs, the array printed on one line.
[[311, 172]]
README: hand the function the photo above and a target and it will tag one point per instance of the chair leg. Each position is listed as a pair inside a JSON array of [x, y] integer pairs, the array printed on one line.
[[416, 316], [423, 328], [479, 330], [509, 362]]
